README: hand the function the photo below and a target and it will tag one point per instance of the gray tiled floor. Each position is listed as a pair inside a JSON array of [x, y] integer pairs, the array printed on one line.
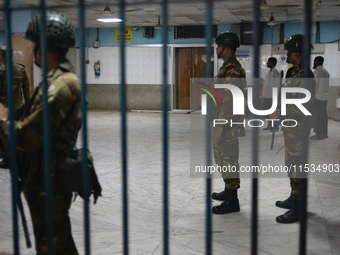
[[231, 233]]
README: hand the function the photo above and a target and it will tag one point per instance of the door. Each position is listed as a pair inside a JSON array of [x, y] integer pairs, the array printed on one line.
[[189, 64]]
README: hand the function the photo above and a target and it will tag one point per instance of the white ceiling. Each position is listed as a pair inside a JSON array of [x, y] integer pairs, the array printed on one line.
[[141, 13]]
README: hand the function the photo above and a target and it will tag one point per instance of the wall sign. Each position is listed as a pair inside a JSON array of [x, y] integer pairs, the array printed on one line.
[[128, 34]]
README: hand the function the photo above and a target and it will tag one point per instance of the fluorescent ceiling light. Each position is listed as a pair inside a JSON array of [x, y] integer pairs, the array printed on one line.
[[109, 20]]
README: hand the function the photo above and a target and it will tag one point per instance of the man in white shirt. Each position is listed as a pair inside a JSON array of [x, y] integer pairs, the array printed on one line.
[[272, 79], [321, 97]]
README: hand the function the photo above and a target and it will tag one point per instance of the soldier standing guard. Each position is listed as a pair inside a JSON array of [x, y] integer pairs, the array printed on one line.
[[292, 135], [64, 89], [225, 138], [21, 90]]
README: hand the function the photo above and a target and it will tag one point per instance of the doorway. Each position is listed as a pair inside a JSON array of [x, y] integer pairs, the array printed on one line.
[[189, 63]]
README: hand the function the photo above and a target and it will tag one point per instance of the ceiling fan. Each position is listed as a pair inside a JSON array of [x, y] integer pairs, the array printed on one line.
[[271, 21], [107, 11]]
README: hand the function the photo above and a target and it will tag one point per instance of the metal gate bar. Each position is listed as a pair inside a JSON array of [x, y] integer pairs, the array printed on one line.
[[255, 138], [208, 135], [46, 132], [124, 131], [166, 248], [305, 126], [12, 137], [81, 26]]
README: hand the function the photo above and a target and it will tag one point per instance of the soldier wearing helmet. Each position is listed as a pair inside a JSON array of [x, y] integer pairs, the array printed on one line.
[[292, 135], [21, 89], [64, 122], [225, 138]]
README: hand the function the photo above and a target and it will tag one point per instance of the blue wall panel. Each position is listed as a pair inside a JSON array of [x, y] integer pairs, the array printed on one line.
[[329, 32]]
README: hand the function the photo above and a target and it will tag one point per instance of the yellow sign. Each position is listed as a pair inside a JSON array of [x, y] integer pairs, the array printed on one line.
[[128, 34]]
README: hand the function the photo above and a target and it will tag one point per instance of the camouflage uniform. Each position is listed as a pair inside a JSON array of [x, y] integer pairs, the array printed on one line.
[[20, 84], [21, 89], [64, 106], [292, 135], [226, 150]]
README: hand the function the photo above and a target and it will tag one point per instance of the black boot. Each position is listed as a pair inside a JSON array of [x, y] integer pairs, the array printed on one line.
[[290, 216], [222, 196], [230, 205], [287, 204]]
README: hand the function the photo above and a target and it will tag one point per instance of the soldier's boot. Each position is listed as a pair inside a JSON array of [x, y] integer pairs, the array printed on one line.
[[287, 203], [290, 216], [230, 205], [220, 196]]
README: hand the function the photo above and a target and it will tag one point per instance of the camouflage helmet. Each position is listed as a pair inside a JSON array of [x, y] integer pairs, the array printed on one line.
[[228, 39], [59, 30], [295, 43]]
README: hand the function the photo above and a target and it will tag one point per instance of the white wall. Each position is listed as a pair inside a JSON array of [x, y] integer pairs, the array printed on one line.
[[143, 65]]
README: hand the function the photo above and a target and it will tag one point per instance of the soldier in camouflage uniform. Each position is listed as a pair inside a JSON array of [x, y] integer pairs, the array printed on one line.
[[292, 135], [225, 140], [21, 90], [20, 82], [64, 120]]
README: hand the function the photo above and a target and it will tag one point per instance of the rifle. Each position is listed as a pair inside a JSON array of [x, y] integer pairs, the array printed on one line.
[[24, 222], [22, 214], [279, 96]]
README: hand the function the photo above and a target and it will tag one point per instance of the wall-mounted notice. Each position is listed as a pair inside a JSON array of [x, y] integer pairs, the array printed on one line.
[[242, 53], [128, 34]]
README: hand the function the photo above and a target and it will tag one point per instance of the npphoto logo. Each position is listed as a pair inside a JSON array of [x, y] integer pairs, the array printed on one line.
[[239, 102], [210, 88], [238, 99]]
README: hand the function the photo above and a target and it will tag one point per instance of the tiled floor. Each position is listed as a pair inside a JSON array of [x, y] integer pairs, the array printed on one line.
[[231, 233]]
